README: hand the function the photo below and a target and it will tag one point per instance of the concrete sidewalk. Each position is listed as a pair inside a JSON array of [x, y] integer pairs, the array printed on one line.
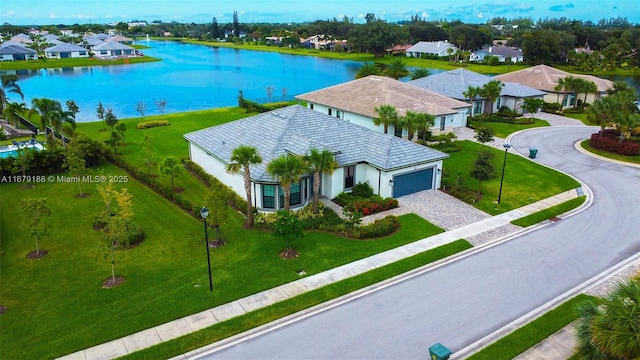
[[207, 318]]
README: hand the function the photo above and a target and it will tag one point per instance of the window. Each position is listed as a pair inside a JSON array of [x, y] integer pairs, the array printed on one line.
[[348, 176], [268, 197], [338, 114], [397, 131], [477, 107], [281, 197], [572, 99], [329, 112], [443, 121], [296, 195], [498, 103], [311, 106]]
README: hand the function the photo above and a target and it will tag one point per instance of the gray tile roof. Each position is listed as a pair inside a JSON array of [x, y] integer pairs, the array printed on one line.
[[454, 83], [110, 45], [363, 95], [10, 49], [64, 47], [432, 47], [296, 129]]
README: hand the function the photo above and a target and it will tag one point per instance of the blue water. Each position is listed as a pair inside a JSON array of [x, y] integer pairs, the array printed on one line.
[[189, 77]]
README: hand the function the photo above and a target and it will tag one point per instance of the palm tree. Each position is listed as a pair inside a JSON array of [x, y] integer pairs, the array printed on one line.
[[396, 69], [387, 114], [368, 69], [319, 162], [601, 112], [12, 110], [51, 114], [586, 87], [419, 73], [242, 158], [9, 85], [610, 330], [491, 91], [414, 122], [73, 109], [471, 93], [288, 169], [562, 85]]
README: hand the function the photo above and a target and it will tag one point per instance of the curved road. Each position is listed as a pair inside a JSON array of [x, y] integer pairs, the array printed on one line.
[[462, 301]]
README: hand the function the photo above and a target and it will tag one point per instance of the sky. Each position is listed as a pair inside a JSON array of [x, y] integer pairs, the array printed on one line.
[[68, 12]]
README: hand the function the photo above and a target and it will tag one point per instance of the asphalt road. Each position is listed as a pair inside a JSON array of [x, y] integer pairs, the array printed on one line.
[[461, 302]]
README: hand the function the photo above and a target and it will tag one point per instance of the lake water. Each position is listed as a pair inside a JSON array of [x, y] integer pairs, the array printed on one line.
[[189, 77]]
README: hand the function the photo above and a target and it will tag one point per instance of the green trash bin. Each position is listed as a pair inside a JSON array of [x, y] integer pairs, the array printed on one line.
[[533, 152], [439, 352]]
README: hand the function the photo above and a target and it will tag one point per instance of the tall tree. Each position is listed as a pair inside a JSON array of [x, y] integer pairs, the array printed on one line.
[[414, 121], [288, 169], [491, 92], [387, 114], [9, 85], [375, 36], [320, 162], [242, 158], [12, 112], [236, 25], [73, 108], [110, 118]]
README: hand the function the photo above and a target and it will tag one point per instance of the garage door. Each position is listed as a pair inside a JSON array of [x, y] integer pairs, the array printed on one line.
[[412, 182]]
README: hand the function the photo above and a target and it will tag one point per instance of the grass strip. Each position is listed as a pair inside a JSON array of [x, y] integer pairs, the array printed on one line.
[[531, 334], [259, 317], [549, 213]]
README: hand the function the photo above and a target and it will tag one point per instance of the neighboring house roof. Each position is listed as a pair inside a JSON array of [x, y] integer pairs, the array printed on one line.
[[64, 47], [432, 47], [23, 38], [296, 130], [15, 50], [505, 51], [15, 43], [362, 96], [454, 83], [120, 39], [545, 78], [110, 45]]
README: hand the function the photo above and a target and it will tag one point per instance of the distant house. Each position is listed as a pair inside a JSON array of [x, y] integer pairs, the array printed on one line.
[[112, 49], [398, 49], [120, 39], [325, 42], [505, 54], [355, 101], [455, 83], [66, 51], [545, 78], [434, 48], [12, 52], [392, 166]]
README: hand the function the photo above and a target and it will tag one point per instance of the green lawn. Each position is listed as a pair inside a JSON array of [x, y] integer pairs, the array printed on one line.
[[525, 182], [502, 130], [549, 213], [630, 159], [62, 63], [55, 305]]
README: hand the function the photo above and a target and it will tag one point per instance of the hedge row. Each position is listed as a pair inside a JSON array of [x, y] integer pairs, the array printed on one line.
[[251, 106], [152, 124], [233, 199], [612, 145]]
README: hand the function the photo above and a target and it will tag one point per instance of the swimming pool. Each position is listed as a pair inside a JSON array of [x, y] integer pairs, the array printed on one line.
[[12, 150]]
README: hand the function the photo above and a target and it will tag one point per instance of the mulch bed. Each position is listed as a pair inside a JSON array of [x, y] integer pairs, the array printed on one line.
[[288, 253], [37, 255], [111, 282]]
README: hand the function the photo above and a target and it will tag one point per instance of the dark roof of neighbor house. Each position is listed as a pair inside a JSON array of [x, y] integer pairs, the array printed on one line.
[[454, 83], [10, 49], [64, 47], [543, 77], [506, 51], [297, 129], [362, 96]]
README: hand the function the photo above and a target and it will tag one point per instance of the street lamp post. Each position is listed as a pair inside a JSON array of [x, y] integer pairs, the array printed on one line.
[[204, 212], [504, 164]]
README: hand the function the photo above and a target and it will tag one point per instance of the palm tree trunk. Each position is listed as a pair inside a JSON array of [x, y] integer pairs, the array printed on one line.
[[247, 189], [287, 195], [316, 191]]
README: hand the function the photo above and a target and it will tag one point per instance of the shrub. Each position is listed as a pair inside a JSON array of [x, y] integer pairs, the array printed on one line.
[[151, 124], [381, 227], [363, 190], [372, 205], [508, 113], [552, 107], [610, 144], [233, 199]]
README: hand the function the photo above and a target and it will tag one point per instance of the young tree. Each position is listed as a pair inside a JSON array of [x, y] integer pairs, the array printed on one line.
[[141, 107], [160, 104], [320, 162], [483, 168], [288, 169], [148, 155], [121, 128], [74, 162], [288, 228], [532, 105], [110, 118], [217, 216], [484, 135], [387, 114], [172, 167], [269, 91], [73, 108], [242, 158], [22, 161], [100, 112], [35, 209], [114, 140]]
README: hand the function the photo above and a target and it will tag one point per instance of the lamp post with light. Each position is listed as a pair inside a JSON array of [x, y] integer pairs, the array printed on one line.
[[504, 164], [204, 212]]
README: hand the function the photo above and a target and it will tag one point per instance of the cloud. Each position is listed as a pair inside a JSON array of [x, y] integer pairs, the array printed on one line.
[[562, 7], [52, 16], [480, 15]]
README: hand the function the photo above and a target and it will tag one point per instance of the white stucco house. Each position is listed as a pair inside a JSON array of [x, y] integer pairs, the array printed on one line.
[[434, 48], [356, 101], [66, 51], [505, 54], [392, 166], [112, 49], [454, 83]]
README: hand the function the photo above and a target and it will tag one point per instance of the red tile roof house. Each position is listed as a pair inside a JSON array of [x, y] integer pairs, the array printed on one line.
[[356, 101], [392, 166]]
